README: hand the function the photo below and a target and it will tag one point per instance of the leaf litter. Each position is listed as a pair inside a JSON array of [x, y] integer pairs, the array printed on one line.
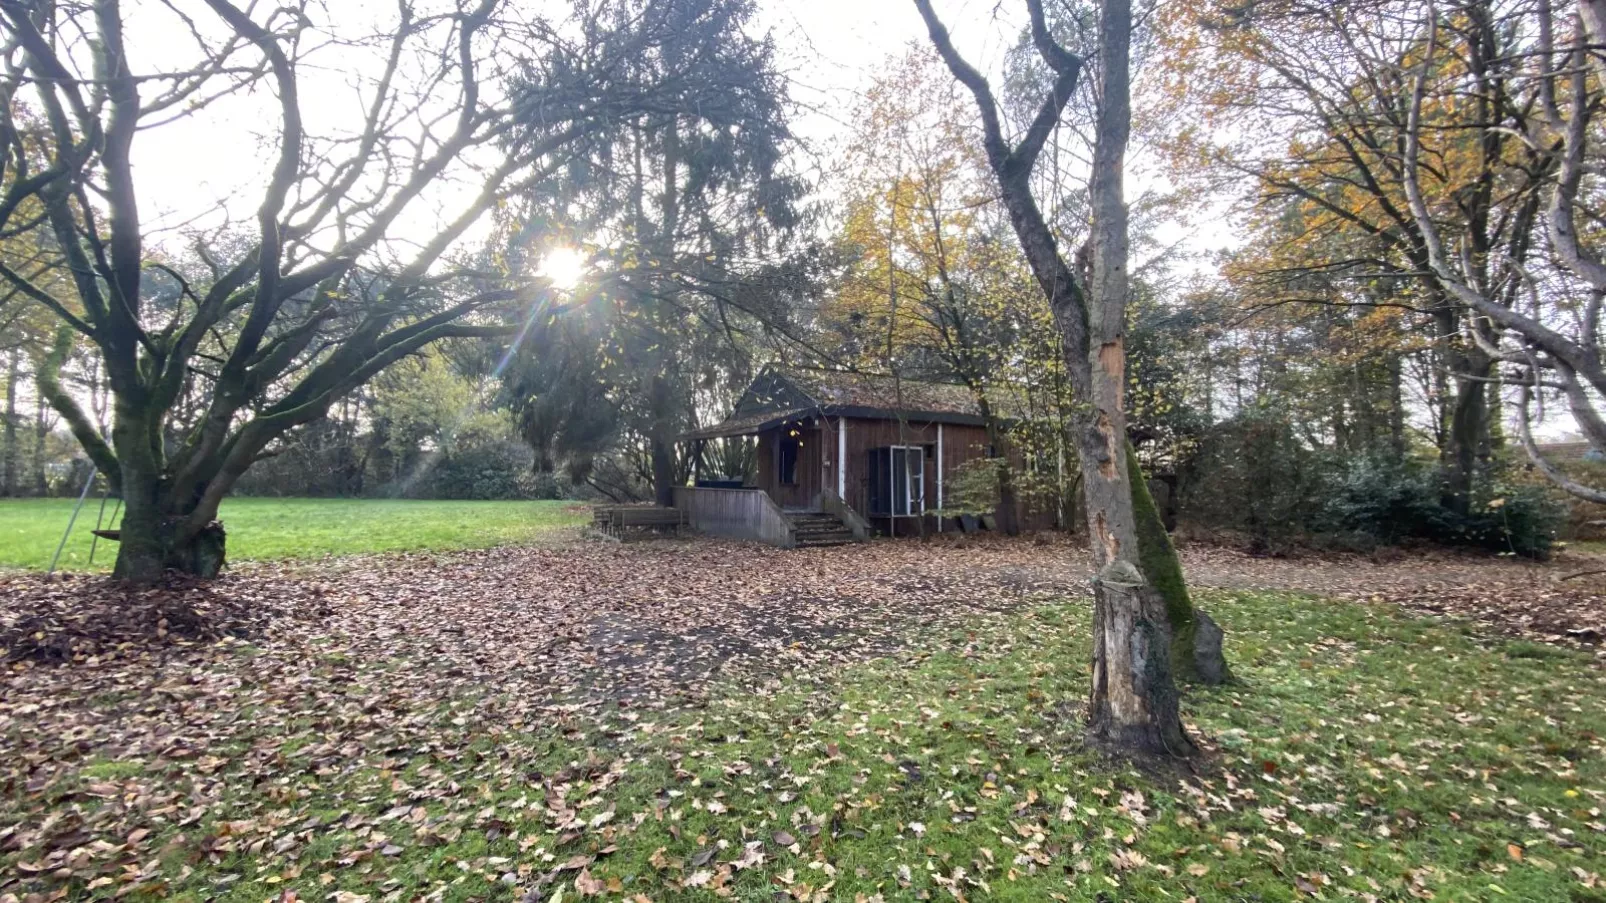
[[338, 717]]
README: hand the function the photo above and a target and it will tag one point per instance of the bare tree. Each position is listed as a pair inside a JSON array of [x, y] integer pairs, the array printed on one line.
[[468, 102], [1549, 330], [1134, 700]]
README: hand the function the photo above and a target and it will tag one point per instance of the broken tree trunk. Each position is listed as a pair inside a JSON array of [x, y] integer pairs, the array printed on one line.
[[1134, 699], [1133, 705], [1196, 652]]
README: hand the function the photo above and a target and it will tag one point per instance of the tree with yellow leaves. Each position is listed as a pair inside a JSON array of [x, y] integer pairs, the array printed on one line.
[[932, 290]]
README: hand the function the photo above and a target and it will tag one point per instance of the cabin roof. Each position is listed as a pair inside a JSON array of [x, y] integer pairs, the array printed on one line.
[[777, 396], [748, 425]]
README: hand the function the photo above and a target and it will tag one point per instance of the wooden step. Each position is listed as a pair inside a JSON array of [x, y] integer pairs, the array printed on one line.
[[816, 529], [823, 543]]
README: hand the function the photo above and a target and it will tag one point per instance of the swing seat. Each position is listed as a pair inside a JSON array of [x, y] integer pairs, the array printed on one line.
[[113, 535]]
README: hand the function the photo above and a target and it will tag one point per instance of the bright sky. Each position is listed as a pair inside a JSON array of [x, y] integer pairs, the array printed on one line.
[[830, 49], [834, 49]]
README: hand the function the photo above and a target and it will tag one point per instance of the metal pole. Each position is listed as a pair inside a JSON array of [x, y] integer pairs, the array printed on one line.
[[70, 521], [116, 510], [94, 534]]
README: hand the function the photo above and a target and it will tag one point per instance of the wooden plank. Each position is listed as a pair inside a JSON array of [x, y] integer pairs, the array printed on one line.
[[810, 464], [737, 513]]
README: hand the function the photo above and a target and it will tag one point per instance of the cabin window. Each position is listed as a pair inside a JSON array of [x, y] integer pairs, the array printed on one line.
[[786, 452]]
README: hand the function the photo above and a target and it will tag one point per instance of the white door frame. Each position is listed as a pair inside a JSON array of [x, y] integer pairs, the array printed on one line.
[[909, 476]]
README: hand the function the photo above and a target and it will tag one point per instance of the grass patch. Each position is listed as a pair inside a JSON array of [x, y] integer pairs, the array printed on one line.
[[1365, 755], [1594, 547], [268, 529], [110, 770]]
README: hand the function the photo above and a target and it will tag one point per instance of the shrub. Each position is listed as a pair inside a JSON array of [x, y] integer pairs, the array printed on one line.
[[493, 470], [972, 488], [1252, 474], [1516, 520], [1393, 500], [1385, 498], [546, 485]]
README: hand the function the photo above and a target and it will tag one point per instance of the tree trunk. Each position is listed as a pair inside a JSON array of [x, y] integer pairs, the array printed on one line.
[[663, 472], [41, 431], [661, 444], [158, 531], [153, 541], [663, 420], [150, 546], [1397, 442], [1468, 428], [8, 473], [1134, 703], [1163, 569]]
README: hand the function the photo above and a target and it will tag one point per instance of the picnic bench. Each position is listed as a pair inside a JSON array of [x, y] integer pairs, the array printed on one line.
[[614, 520]]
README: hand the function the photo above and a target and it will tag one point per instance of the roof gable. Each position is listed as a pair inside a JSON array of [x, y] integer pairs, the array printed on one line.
[[771, 390]]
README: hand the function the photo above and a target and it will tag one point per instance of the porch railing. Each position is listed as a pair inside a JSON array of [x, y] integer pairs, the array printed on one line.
[[736, 513]]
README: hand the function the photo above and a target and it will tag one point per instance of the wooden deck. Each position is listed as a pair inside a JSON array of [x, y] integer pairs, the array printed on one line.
[[614, 520]]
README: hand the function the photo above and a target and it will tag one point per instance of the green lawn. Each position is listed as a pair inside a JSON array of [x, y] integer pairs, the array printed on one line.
[[263, 528], [1365, 755]]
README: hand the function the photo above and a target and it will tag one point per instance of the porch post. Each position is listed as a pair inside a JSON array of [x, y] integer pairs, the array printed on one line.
[[842, 460], [939, 478], [820, 425]]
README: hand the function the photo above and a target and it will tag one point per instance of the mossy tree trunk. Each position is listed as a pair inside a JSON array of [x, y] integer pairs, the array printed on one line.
[[1163, 570], [1133, 702]]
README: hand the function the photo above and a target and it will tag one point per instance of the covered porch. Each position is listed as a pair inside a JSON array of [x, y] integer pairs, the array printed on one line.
[[789, 499], [886, 473], [790, 466]]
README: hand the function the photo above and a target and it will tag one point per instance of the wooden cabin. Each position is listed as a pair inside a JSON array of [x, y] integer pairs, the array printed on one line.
[[885, 448]]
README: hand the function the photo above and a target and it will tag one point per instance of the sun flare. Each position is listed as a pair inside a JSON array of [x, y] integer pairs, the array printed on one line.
[[564, 266]]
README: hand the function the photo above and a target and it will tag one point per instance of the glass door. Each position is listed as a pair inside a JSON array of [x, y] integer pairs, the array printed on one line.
[[908, 477]]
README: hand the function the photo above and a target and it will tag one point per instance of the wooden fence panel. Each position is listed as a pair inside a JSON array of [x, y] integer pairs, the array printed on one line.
[[736, 513]]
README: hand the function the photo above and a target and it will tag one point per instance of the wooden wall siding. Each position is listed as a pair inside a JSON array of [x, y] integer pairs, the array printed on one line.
[[959, 444], [804, 493], [817, 462], [736, 513]]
